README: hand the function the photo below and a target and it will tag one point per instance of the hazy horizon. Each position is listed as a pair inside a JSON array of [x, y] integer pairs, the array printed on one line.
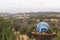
[[16, 6]]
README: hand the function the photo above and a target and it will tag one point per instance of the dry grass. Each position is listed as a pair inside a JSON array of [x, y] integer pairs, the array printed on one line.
[[20, 36], [24, 37]]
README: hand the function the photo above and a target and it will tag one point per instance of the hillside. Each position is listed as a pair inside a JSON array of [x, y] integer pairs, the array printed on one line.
[[27, 15]]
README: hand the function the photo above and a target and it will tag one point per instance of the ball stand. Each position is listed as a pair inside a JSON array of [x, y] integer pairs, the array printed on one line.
[[45, 36]]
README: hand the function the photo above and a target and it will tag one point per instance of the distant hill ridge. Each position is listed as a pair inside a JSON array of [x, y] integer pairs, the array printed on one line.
[[21, 15]]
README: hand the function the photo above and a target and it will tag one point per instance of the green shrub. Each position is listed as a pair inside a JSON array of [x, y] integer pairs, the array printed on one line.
[[6, 30]]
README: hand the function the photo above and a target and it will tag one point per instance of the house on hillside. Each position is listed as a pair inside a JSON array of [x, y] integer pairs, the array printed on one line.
[[5, 15], [21, 16]]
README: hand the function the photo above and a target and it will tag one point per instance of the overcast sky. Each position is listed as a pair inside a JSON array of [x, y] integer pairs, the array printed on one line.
[[14, 6]]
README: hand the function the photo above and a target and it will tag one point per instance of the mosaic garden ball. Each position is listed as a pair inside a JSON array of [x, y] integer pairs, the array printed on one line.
[[42, 27]]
